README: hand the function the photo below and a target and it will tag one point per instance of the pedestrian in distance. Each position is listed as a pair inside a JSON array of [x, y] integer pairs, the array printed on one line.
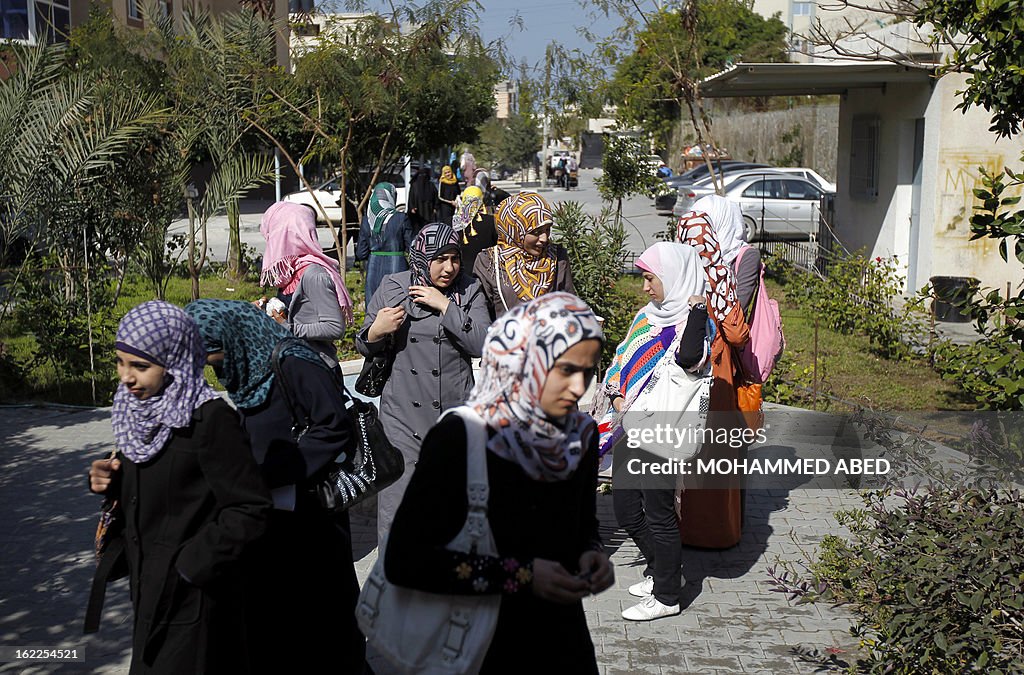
[[541, 457], [447, 192], [190, 494], [384, 236], [308, 282], [422, 202], [673, 325], [431, 321], [524, 264], [303, 564]]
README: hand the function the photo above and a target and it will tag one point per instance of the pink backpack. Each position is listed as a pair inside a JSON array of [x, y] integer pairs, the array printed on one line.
[[766, 343]]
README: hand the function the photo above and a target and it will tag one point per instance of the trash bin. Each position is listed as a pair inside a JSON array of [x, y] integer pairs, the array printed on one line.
[[951, 294]]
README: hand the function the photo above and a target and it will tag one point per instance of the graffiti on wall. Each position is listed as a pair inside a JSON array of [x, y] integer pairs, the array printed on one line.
[[959, 175]]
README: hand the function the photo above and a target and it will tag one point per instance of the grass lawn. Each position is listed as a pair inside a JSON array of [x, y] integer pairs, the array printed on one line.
[[848, 369], [42, 383]]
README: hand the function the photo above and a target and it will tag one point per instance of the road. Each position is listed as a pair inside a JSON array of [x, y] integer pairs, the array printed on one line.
[[642, 223]]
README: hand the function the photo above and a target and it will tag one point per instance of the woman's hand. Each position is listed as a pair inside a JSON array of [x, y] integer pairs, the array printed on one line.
[[553, 583], [101, 474], [598, 567], [387, 321], [696, 300], [278, 316], [617, 403], [430, 297]]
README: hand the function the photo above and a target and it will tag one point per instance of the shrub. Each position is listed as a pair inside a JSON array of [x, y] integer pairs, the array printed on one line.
[[597, 252], [936, 578]]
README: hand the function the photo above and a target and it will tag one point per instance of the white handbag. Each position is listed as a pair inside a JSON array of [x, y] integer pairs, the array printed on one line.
[[434, 633], [675, 401]]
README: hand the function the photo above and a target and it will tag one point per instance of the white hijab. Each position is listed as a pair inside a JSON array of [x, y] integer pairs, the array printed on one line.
[[727, 221], [681, 273]]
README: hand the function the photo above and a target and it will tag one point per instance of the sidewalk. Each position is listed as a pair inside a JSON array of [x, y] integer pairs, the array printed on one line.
[[731, 621]]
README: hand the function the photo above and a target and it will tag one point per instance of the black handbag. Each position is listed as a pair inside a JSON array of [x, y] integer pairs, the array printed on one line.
[[376, 463], [375, 372]]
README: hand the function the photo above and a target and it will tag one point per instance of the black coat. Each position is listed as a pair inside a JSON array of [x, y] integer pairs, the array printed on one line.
[[190, 512], [529, 519]]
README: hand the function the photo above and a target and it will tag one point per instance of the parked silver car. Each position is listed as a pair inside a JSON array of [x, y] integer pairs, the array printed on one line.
[[705, 186], [774, 204]]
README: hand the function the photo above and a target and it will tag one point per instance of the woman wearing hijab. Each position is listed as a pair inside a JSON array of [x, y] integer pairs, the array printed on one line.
[[524, 264], [433, 319], [308, 282], [713, 518], [384, 237], [474, 223], [422, 202], [542, 473], [448, 192], [492, 196], [727, 221], [191, 495], [467, 165], [304, 563], [673, 325]]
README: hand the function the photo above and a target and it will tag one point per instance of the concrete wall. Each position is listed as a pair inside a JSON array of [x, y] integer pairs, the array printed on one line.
[[954, 146], [757, 136]]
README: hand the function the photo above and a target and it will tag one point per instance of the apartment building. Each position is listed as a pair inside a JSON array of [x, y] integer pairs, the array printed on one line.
[[32, 21]]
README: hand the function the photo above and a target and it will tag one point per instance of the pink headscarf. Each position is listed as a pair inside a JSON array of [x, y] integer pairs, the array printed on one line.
[[292, 245]]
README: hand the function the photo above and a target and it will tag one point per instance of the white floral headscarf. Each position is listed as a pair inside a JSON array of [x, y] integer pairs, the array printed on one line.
[[520, 349]]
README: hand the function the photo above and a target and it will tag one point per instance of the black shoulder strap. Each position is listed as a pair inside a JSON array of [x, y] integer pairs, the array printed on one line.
[[275, 365]]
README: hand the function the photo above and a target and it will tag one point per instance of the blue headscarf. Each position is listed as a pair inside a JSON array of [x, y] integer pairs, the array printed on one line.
[[247, 337]]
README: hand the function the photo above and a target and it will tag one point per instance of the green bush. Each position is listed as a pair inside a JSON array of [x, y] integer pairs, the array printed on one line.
[[936, 578], [859, 296], [597, 252]]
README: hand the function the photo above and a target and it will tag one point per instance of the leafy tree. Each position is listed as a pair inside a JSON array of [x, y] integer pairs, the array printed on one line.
[[513, 142], [363, 100], [59, 143], [625, 172], [647, 86]]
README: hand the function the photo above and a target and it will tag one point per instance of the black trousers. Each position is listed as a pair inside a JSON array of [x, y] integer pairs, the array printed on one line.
[[649, 518]]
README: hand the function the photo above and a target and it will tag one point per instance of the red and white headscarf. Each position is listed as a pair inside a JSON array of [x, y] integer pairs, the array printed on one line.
[[292, 245], [696, 230], [520, 350]]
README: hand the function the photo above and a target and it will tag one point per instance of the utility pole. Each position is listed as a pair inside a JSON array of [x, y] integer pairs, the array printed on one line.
[[547, 112]]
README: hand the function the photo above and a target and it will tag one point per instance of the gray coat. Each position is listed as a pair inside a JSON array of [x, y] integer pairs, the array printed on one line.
[[314, 313], [432, 369]]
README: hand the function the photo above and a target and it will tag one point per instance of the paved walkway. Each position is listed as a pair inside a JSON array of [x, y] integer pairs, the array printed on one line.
[[732, 622]]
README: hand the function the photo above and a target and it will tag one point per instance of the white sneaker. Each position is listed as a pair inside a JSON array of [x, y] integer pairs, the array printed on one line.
[[642, 589], [649, 608]]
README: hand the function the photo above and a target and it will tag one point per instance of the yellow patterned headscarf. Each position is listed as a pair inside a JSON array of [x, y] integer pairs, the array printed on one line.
[[517, 216], [471, 205]]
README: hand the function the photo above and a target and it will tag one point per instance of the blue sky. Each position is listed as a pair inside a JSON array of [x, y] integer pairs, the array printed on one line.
[[542, 22]]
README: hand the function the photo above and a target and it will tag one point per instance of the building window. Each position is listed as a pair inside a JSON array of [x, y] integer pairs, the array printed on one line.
[[306, 29], [802, 8], [864, 151], [14, 19], [35, 20]]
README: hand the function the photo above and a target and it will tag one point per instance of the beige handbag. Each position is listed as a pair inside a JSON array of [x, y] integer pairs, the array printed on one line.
[[434, 633]]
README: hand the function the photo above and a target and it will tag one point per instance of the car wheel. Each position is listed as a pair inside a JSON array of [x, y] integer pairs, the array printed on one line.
[[750, 229]]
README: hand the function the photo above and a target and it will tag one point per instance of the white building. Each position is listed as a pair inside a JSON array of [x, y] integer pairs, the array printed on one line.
[[506, 99], [908, 161]]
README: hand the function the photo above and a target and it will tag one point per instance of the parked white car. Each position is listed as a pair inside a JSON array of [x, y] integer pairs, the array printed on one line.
[[705, 186], [773, 203], [809, 175], [777, 206], [329, 196]]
